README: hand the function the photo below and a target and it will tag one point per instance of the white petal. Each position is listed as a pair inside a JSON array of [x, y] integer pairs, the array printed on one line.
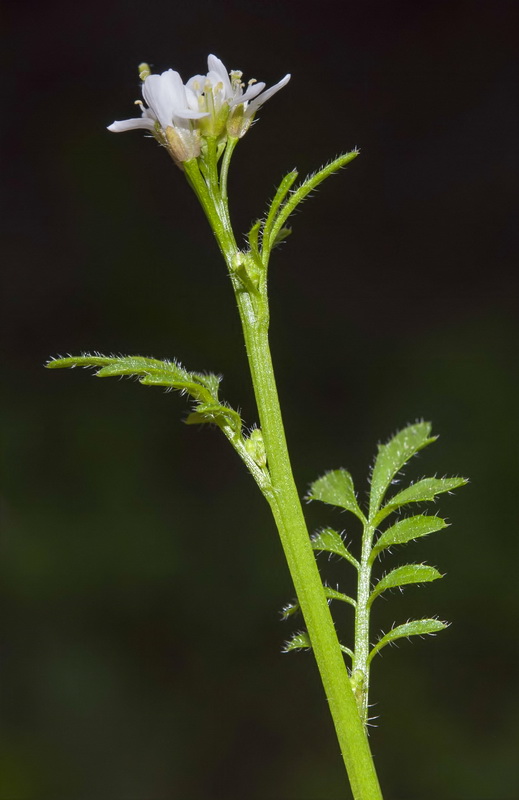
[[192, 99], [215, 65], [131, 124], [253, 107], [196, 84], [252, 91]]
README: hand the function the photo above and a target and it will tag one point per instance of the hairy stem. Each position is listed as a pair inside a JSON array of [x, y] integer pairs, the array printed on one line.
[[281, 492], [288, 514], [360, 666]]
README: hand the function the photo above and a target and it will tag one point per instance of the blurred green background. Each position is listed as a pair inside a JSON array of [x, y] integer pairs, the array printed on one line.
[[141, 577]]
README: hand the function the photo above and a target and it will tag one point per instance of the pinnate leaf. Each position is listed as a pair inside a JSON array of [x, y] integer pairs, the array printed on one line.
[[419, 492], [201, 387], [329, 541], [151, 370], [392, 457], [336, 488], [416, 627], [405, 530], [409, 573]]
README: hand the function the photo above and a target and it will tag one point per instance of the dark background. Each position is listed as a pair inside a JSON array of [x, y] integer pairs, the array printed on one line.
[[141, 575]]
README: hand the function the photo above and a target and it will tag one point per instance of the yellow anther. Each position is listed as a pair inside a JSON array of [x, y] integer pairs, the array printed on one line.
[[144, 71]]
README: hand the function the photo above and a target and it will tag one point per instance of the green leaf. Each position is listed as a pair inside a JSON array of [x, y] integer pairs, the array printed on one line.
[[281, 193], [299, 641], [281, 236], [409, 573], [253, 238], [333, 594], [289, 610], [406, 530], [86, 360], [329, 541], [416, 627], [336, 488], [419, 492], [346, 650], [215, 415], [310, 183], [150, 371], [203, 388], [392, 457]]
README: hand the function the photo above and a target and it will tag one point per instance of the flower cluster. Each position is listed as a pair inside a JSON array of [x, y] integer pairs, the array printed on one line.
[[179, 115]]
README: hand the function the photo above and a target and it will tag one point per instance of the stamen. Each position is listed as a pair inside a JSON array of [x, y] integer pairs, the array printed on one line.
[[144, 70]]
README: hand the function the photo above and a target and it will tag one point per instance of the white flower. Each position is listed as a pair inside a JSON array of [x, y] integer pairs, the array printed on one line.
[[178, 115], [170, 115], [227, 87]]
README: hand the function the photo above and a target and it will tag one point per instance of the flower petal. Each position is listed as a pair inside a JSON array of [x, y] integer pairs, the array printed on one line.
[[119, 126], [253, 107], [215, 65], [252, 91]]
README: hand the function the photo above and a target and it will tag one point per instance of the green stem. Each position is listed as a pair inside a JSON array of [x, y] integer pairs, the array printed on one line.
[[226, 160], [288, 514], [282, 495]]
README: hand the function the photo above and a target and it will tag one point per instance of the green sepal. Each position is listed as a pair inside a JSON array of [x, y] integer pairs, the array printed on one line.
[[336, 488], [391, 458], [420, 492], [299, 641], [416, 627], [405, 530], [409, 573], [329, 541]]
